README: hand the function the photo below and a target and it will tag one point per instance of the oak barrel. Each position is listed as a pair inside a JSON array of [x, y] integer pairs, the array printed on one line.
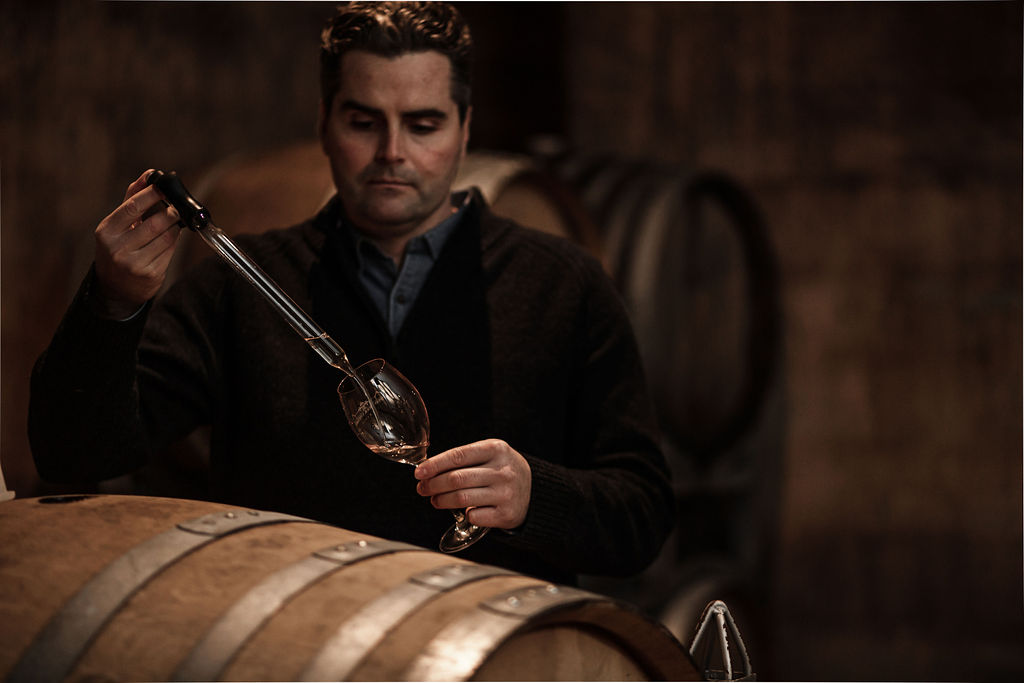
[[143, 588], [693, 257]]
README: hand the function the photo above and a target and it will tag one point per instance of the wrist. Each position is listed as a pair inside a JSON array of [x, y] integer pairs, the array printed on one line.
[[108, 307]]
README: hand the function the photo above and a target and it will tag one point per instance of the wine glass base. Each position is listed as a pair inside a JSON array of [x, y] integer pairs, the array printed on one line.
[[456, 539]]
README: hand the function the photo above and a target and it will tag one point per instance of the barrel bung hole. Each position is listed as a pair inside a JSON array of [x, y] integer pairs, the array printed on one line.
[[61, 500]]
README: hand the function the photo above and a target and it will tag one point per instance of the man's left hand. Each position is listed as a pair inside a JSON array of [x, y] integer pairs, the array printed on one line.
[[490, 477]]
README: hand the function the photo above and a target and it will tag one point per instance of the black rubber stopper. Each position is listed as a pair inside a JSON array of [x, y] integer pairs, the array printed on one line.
[[193, 214]]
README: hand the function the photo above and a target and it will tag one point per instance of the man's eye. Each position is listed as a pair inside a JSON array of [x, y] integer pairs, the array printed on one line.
[[360, 124], [423, 127]]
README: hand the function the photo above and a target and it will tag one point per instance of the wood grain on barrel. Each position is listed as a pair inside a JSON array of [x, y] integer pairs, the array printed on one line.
[[250, 595]]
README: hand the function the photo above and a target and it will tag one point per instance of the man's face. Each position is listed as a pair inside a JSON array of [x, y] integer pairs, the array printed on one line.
[[394, 141]]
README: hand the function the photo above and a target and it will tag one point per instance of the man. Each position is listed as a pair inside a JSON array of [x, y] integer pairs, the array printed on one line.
[[516, 340]]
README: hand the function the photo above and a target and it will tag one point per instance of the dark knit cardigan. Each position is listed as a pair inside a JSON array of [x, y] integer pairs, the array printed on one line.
[[516, 335]]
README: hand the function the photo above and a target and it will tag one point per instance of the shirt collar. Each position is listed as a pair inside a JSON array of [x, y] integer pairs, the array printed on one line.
[[431, 242]]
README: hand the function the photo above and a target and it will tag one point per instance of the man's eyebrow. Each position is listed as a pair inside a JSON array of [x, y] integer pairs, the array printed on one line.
[[352, 104], [426, 113]]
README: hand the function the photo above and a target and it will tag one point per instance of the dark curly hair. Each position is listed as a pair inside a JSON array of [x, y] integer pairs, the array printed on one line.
[[390, 29]]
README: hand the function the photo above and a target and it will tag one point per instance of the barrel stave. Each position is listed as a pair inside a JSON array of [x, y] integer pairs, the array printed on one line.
[[401, 646], [287, 643], [166, 617], [195, 571], [50, 547]]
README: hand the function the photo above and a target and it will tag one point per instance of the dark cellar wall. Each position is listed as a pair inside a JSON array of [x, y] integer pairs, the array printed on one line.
[[882, 142]]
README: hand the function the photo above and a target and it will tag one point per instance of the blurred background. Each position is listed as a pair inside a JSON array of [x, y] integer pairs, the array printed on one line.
[[813, 210]]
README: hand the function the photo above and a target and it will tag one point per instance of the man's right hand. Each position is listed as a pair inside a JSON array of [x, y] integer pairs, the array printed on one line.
[[134, 246]]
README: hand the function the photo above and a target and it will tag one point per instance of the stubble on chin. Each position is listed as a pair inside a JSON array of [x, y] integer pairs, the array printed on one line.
[[387, 213]]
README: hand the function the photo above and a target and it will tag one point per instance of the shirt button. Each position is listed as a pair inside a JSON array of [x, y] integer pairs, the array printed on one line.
[[400, 299]]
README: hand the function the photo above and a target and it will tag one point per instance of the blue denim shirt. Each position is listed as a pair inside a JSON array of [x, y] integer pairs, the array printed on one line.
[[393, 290]]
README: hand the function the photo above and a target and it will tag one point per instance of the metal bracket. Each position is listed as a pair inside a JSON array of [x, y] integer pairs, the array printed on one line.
[[454, 575], [716, 621], [221, 523], [525, 603], [354, 551]]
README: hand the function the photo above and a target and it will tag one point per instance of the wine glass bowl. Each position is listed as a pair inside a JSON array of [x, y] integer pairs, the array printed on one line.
[[388, 416], [395, 425]]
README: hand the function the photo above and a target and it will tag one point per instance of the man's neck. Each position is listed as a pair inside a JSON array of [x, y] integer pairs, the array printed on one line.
[[394, 247]]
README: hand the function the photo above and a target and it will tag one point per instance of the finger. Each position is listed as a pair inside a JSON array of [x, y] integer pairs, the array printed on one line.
[[162, 260], [145, 249], [453, 480], [159, 249], [455, 458], [489, 515], [464, 498], [130, 213], [494, 516], [138, 184], [153, 228], [501, 513]]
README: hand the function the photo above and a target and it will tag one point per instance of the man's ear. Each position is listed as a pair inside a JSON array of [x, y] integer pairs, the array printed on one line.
[[465, 129]]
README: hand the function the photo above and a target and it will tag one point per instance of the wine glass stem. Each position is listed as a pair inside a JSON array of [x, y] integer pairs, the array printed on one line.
[[462, 524]]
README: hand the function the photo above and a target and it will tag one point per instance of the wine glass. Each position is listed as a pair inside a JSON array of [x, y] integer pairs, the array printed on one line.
[[394, 425]]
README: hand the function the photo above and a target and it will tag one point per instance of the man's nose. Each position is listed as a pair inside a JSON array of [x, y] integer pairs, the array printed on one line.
[[389, 147]]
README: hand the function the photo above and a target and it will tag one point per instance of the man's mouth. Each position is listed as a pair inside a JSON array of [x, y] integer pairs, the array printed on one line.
[[388, 182]]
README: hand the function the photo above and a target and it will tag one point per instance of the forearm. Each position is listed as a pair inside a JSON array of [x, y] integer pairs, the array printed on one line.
[[84, 404]]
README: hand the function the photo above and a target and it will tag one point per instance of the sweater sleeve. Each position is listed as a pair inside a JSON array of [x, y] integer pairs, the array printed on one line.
[[83, 406], [609, 508], [107, 394]]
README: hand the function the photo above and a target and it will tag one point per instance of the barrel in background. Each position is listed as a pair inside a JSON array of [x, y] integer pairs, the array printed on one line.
[[692, 258]]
